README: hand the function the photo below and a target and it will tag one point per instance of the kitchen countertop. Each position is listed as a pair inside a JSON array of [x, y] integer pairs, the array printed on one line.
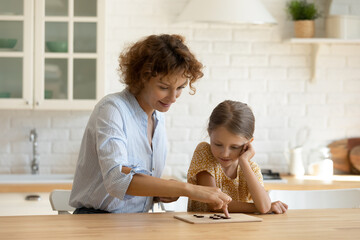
[[295, 224], [314, 183], [290, 183]]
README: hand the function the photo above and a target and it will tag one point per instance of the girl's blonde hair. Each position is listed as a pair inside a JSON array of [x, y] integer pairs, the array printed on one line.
[[236, 117]]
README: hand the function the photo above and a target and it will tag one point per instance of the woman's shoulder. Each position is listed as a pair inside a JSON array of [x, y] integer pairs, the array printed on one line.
[[118, 100]]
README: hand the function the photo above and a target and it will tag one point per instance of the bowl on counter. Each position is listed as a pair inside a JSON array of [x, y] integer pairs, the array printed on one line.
[[57, 46], [7, 43]]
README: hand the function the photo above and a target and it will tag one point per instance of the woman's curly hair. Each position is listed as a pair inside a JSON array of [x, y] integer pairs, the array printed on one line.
[[157, 54]]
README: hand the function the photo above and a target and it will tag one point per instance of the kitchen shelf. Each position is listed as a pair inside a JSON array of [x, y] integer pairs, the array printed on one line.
[[315, 48]]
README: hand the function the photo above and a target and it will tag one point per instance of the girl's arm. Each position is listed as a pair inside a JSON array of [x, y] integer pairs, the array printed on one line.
[[144, 185], [205, 179], [259, 195]]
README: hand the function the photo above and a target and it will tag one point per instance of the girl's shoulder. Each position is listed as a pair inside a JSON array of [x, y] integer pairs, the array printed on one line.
[[203, 153]]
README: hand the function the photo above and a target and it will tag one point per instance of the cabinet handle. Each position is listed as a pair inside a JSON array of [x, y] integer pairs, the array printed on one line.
[[27, 102], [37, 103]]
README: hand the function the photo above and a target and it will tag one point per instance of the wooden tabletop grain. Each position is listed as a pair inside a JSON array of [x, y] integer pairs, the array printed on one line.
[[295, 224]]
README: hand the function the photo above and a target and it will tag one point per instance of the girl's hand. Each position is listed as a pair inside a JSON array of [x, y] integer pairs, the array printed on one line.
[[278, 207], [247, 153]]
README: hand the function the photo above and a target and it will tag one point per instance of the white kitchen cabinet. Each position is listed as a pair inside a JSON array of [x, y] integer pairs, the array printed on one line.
[[57, 61], [15, 204]]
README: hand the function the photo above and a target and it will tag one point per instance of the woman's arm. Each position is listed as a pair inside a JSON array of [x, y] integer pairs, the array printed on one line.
[[259, 195], [144, 185]]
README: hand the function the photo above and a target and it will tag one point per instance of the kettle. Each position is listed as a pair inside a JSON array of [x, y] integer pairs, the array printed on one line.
[[295, 161]]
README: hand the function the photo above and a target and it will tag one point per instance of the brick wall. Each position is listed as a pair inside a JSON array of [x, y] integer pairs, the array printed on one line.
[[253, 64]]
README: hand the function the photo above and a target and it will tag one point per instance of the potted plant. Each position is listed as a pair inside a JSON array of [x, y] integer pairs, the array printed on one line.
[[303, 14]]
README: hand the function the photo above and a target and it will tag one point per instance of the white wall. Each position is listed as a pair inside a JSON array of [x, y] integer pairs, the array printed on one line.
[[253, 64]]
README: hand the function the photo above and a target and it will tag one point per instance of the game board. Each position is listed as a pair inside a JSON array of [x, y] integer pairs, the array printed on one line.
[[219, 218]]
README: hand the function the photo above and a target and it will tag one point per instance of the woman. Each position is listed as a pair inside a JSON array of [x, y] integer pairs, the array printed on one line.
[[123, 150]]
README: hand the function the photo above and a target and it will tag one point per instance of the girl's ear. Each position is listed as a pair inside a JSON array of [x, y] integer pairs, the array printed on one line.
[[252, 139]]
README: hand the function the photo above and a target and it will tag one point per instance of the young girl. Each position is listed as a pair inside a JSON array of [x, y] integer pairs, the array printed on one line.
[[226, 162]]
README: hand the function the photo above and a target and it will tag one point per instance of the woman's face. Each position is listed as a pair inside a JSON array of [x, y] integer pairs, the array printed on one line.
[[160, 92], [226, 146]]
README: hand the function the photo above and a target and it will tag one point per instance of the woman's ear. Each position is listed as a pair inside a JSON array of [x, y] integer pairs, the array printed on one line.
[[252, 139]]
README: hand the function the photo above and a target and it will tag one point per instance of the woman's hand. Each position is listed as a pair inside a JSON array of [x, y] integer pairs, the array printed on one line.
[[278, 207], [212, 195]]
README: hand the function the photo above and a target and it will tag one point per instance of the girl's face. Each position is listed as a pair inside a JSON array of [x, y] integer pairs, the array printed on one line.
[[160, 92], [226, 146]]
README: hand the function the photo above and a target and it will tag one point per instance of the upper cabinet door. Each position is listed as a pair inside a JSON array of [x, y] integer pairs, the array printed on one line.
[[16, 54], [69, 53]]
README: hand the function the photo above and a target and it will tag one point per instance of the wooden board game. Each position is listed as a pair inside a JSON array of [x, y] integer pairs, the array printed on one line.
[[216, 218]]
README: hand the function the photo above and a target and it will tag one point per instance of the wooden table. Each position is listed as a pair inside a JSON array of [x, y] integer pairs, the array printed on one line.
[[295, 224], [315, 183]]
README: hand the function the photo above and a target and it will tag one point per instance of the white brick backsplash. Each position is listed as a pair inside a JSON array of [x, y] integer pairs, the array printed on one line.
[[271, 48], [217, 98], [231, 47], [183, 147], [260, 158], [353, 61], [248, 61], [254, 35], [73, 121], [26, 147], [225, 72], [282, 134], [178, 134], [313, 122], [267, 98], [297, 110], [267, 73], [299, 73], [77, 134], [253, 64], [53, 134], [352, 111], [331, 61], [66, 147], [325, 110], [348, 49], [243, 85], [300, 49], [325, 85], [286, 85], [352, 85], [306, 98], [269, 146], [214, 59], [4, 147], [269, 122], [341, 122], [288, 61], [179, 159], [213, 34], [261, 133], [349, 98]]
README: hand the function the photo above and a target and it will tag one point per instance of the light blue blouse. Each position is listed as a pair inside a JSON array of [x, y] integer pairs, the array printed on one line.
[[116, 136]]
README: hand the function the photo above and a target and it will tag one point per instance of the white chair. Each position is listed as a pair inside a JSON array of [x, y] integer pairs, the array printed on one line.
[[318, 199], [59, 200]]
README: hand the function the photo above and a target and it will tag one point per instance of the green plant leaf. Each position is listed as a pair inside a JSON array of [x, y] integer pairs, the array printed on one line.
[[302, 10]]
